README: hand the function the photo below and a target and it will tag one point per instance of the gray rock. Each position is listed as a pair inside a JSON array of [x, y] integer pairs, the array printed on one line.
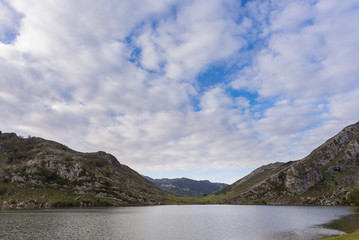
[[324, 177]]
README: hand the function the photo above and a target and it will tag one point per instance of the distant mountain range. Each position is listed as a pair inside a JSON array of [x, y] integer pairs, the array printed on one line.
[[187, 187]]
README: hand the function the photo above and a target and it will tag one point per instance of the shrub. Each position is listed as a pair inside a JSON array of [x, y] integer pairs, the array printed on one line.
[[98, 162], [82, 173], [67, 158], [353, 196], [107, 171], [3, 190], [51, 176]]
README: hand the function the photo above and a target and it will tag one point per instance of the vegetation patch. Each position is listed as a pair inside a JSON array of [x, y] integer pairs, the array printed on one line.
[[51, 176], [47, 197], [209, 199], [351, 236], [97, 162], [353, 197], [67, 158], [1, 156]]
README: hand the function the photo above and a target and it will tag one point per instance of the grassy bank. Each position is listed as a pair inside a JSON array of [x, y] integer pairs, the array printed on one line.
[[12, 196], [347, 224], [210, 199], [351, 236]]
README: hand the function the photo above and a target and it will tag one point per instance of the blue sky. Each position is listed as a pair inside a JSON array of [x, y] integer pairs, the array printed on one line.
[[201, 89]]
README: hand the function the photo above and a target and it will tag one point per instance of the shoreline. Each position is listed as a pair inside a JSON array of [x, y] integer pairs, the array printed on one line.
[[349, 236], [348, 224]]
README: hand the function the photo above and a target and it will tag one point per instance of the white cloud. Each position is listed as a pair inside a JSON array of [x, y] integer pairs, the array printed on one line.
[[307, 70], [199, 34], [310, 53], [122, 77], [342, 107], [292, 16]]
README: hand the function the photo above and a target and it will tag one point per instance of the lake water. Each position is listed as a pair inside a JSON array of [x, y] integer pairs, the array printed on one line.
[[209, 222]]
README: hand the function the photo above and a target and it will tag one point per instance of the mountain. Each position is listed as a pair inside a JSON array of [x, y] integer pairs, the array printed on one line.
[[187, 187], [324, 177], [35, 173]]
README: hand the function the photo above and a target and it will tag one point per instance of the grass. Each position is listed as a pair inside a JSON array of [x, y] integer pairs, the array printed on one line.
[[210, 199], [54, 198], [331, 179], [242, 186], [184, 200], [190, 200], [351, 236]]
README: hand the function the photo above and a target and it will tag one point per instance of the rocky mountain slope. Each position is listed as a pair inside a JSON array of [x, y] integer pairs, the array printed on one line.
[[324, 177], [187, 187], [39, 173]]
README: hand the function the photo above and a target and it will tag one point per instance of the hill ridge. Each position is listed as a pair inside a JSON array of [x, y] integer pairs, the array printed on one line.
[[36, 172], [324, 177], [187, 187]]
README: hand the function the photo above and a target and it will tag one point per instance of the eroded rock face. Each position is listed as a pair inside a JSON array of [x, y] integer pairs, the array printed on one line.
[[37, 163], [323, 177]]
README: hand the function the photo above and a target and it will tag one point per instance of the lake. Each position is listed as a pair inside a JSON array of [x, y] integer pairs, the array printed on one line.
[[185, 222]]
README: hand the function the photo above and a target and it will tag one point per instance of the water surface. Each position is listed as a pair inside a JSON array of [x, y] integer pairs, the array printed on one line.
[[210, 222]]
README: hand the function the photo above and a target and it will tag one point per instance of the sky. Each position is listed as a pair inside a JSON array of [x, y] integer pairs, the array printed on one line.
[[204, 89]]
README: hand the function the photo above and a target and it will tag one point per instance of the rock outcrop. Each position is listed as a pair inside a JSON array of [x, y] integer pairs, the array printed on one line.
[[324, 177], [39, 173]]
